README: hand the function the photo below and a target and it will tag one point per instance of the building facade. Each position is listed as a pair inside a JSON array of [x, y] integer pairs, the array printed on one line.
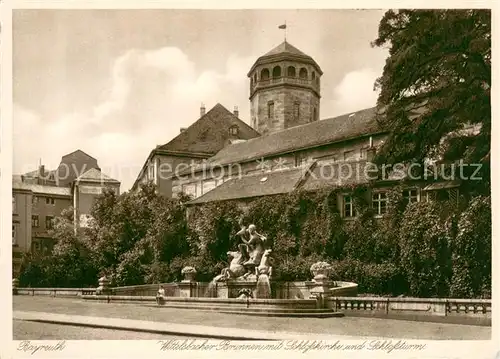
[[213, 131], [40, 196]]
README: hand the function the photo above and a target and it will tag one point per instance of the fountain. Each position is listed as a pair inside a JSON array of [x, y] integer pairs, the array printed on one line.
[[245, 286]]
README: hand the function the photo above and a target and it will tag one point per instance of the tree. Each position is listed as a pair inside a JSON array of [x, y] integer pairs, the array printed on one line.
[[436, 82]]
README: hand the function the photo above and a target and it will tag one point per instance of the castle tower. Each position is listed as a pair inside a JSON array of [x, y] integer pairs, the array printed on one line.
[[284, 89]]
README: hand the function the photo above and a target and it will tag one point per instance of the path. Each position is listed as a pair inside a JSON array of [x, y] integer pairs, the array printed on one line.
[[346, 326]]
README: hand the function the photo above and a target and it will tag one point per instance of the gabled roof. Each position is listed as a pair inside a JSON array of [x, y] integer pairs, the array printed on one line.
[[94, 175], [210, 133], [254, 185], [336, 129], [78, 153]]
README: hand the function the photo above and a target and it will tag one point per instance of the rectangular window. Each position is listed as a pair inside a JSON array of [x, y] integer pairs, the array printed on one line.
[[151, 172], [35, 222], [379, 203], [296, 110], [34, 200], [50, 201], [49, 222], [411, 196], [349, 210], [14, 204], [270, 110], [14, 240]]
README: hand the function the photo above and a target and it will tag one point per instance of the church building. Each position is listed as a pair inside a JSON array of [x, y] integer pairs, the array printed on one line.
[[288, 147]]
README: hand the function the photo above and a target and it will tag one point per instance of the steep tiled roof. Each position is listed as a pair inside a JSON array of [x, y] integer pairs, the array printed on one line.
[[94, 175], [210, 133], [18, 184], [262, 184], [317, 133]]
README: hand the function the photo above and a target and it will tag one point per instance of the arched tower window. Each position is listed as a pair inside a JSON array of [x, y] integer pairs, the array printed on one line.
[[317, 81], [264, 74], [277, 71], [255, 77], [313, 75], [291, 71], [303, 73]]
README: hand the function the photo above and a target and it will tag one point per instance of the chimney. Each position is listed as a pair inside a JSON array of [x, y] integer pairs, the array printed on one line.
[[202, 110], [236, 112], [41, 174], [183, 129]]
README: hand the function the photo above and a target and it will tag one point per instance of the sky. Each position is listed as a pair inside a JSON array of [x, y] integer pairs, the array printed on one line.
[[117, 83]]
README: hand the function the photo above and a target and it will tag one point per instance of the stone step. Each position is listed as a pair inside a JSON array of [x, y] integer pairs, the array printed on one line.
[[245, 310]]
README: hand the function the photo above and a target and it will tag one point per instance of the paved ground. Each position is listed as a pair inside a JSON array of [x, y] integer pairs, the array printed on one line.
[[348, 326], [44, 331]]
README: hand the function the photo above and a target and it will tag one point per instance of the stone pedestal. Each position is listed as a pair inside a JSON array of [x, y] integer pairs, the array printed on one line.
[[235, 286], [104, 286], [222, 290], [321, 291], [187, 288], [15, 285]]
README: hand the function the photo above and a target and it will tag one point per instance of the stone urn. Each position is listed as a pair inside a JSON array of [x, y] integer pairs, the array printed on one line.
[[104, 286], [321, 271], [189, 274]]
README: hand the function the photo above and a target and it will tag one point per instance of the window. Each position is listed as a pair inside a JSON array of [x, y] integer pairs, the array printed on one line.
[[410, 196], [35, 221], [313, 75], [264, 75], [291, 71], [270, 110], [50, 201], [277, 72], [349, 210], [300, 159], [379, 203], [36, 246], [49, 222], [14, 204], [315, 114], [296, 110], [303, 73], [233, 130], [34, 200], [14, 240]]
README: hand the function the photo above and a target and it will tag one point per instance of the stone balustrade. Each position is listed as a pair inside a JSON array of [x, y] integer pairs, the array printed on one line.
[[56, 292], [466, 311]]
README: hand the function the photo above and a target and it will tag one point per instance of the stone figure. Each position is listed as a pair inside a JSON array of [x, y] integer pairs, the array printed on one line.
[[236, 268], [255, 243], [265, 264]]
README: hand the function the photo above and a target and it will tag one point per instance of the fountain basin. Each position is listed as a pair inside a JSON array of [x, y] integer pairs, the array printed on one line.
[[247, 306]]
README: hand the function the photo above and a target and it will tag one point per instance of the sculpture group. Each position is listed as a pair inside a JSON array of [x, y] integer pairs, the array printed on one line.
[[252, 258]]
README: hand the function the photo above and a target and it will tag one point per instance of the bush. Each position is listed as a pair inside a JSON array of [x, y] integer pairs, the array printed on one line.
[[471, 248], [425, 255]]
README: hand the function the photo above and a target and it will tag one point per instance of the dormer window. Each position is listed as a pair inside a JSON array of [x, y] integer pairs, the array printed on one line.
[[233, 130]]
